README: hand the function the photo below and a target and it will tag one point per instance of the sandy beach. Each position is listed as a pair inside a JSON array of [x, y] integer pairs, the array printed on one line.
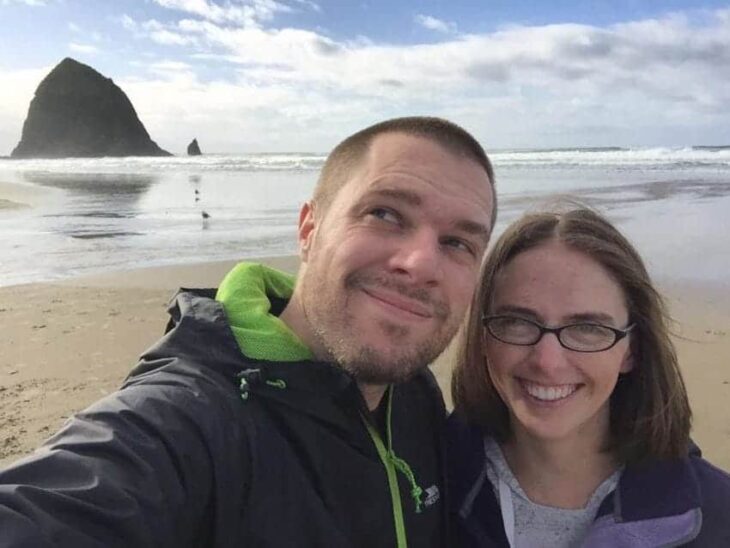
[[68, 344]]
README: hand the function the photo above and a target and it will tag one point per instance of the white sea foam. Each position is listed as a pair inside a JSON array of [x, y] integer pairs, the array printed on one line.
[[659, 158], [654, 158], [203, 163]]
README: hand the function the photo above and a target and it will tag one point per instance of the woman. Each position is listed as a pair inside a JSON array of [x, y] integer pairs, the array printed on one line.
[[571, 423]]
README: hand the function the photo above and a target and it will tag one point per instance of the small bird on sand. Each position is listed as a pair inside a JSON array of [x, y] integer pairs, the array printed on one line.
[[205, 215]]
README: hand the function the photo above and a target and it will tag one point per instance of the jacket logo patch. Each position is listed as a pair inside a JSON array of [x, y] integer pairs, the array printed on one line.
[[432, 496]]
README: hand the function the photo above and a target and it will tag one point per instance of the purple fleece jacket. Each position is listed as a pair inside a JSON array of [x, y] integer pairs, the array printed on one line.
[[683, 502]]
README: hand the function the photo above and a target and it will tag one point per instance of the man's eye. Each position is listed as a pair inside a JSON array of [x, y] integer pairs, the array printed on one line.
[[384, 214], [458, 244]]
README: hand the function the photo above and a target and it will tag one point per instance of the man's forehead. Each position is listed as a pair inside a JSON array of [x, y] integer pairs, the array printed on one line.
[[396, 145], [393, 157], [466, 221]]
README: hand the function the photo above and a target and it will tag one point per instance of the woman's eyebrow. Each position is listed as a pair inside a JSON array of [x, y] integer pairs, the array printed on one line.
[[518, 310], [592, 317], [579, 317]]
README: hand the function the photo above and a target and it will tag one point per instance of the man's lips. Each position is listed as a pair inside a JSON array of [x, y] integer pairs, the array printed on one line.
[[399, 302]]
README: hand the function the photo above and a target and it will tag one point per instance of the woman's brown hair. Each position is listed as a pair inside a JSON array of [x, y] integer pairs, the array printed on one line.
[[649, 409]]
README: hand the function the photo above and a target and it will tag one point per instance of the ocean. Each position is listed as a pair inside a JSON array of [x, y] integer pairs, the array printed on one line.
[[110, 214]]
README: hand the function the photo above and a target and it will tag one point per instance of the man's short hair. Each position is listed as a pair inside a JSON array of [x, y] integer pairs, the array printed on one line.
[[346, 156]]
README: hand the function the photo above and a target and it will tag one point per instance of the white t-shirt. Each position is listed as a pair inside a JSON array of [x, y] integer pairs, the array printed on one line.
[[535, 525]]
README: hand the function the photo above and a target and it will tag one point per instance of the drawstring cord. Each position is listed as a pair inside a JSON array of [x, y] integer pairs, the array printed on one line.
[[401, 465], [388, 456], [403, 468]]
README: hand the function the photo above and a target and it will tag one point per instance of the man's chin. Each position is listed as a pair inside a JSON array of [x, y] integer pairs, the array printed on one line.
[[372, 366], [369, 375]]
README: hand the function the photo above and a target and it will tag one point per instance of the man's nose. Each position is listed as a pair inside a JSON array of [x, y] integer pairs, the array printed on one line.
[[419, 256]]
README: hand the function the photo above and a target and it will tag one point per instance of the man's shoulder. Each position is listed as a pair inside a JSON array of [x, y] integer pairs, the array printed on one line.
[[197, 341]]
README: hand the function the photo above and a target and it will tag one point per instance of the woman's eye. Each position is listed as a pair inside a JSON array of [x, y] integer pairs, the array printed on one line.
[[588, 329], [514, 324]]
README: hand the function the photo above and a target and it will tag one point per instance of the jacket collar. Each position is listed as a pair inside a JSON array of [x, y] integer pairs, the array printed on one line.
[[657, 489], [655, 504], [199, 334]]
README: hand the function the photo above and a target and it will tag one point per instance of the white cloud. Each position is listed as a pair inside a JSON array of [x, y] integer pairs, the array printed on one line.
[[249, 13], [308, 4], [665, 60], [33, 3], [168, 38], [82, 48], [656, 81], [128, 23], [432, 23], [15, 96]]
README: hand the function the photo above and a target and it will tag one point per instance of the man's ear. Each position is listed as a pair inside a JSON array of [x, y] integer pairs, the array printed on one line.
[[307, 229]]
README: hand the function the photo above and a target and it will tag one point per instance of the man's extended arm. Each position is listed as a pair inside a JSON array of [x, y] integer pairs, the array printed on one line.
[[136, 469]]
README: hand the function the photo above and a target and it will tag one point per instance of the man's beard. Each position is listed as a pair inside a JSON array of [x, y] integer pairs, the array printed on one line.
[[367, 363]]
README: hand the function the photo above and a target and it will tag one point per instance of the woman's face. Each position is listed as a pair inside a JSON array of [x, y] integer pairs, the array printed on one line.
[[554, 393]]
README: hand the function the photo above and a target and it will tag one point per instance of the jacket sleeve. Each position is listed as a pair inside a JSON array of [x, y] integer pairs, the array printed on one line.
[[136, 469]]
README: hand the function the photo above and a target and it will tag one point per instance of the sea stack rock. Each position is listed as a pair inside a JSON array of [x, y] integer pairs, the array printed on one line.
[[77, 112], [194, 149]]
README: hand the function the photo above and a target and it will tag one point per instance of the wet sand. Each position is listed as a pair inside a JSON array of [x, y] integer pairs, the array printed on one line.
[[65, 345]]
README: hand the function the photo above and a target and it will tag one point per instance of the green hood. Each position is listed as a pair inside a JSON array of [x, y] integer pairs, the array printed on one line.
[[244, 294]]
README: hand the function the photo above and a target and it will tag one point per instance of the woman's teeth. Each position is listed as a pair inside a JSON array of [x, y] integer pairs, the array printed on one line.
[[549, 393]]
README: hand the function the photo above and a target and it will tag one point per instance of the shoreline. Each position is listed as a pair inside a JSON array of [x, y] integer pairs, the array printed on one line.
[[71, 342], [14, 196], [10, 204]]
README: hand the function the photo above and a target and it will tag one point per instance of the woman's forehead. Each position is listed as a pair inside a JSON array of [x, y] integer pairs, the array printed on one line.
[[554, 278]]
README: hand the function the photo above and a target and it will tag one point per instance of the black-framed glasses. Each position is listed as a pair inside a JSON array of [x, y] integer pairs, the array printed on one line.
[[580, 337]]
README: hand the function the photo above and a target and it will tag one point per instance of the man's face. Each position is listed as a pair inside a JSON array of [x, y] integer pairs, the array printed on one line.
[[389, 269]]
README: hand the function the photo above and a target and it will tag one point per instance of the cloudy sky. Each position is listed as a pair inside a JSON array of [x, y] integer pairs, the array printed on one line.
[[297, 75]]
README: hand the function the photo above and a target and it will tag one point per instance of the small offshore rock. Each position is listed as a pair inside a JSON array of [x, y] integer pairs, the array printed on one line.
[[193, 148]]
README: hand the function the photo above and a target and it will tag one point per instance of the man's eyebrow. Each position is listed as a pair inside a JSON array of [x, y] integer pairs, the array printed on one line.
[[471, 227], [413, 199]]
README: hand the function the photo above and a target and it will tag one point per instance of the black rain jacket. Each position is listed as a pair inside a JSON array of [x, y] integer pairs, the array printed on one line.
[[205, 447]]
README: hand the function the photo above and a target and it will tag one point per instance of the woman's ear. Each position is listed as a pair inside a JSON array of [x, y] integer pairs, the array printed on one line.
[[627, 363]]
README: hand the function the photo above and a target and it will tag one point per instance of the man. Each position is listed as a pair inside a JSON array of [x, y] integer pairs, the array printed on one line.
[[281, 415]]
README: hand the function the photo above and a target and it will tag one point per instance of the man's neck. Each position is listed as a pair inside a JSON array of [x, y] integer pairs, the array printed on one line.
[[372, 394], [295, 318], [560, 473]]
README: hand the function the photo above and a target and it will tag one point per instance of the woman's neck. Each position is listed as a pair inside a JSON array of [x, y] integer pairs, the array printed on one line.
[[560, 473]]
